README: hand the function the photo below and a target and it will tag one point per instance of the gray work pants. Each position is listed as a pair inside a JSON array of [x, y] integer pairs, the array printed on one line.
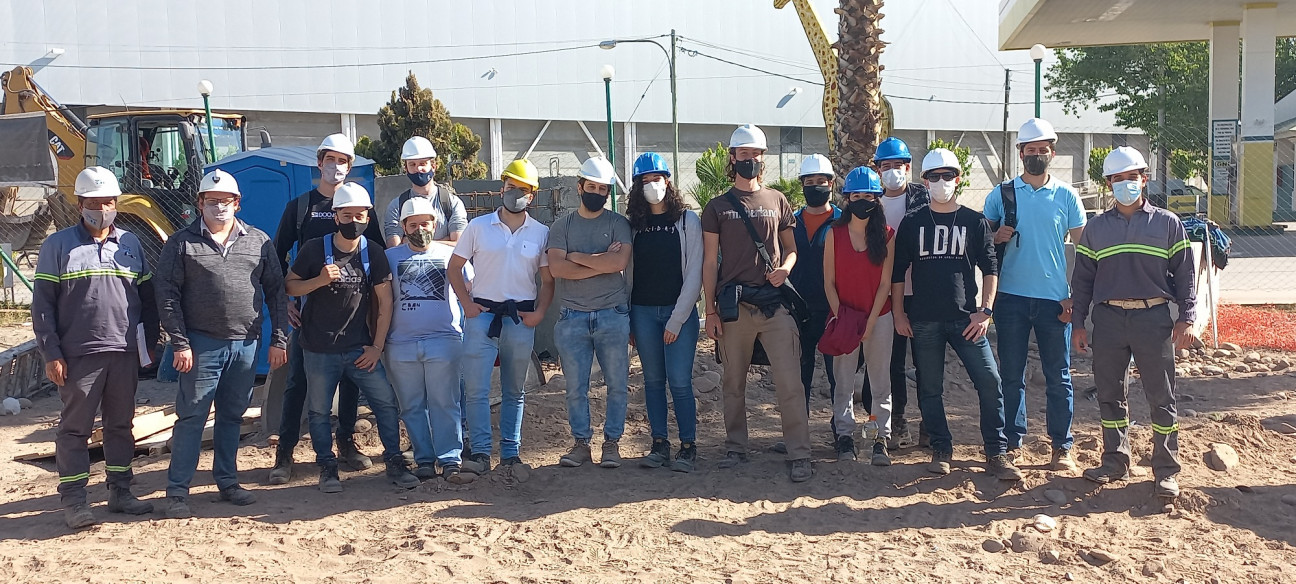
[[98, 381]]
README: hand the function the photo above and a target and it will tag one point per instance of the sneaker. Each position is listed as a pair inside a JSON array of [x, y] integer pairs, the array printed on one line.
[[686, 458], [1001, 467], [901, 437], [328, 479], [122, 501], [611, 457], [1062, 461], [940, 463], [846, 449], [282, 471], [425, 471], [1167, 487], [479, 463], [801, 470], [1108, 473], [732, 459], [578, 454], [79, 516], [178, 508], [400, 475], [450, 472], [349, 455], [880, 456], [237, 495], [659, 455]]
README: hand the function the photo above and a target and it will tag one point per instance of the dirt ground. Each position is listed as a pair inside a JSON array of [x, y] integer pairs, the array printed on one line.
[[851, 523]]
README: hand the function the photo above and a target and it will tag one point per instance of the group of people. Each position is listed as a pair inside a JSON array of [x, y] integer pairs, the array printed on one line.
[[415, 308]]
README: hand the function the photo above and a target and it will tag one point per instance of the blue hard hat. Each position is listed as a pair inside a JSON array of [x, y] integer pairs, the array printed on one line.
[[862, 180], [892, 149], [648, 163]]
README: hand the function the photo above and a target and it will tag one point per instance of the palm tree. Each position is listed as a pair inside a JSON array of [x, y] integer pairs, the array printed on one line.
[[863, 115]]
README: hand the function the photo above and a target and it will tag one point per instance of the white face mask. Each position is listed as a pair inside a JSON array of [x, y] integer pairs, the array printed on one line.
[[99, 219], [654, 192], [941, 190], [332, 174], [221, 214], [894, 178], [1127, 191]]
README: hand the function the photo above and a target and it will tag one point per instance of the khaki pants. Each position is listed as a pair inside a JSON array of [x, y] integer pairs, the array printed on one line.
[[782, 342]]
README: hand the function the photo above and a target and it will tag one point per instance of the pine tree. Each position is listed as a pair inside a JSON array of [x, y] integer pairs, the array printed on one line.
[[413, 111]]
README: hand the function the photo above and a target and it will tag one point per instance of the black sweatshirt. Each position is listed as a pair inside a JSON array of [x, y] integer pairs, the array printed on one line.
[[944, 250]]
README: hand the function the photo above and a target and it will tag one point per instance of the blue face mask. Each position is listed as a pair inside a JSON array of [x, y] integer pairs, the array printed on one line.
[[420, 179], [1127, 191]]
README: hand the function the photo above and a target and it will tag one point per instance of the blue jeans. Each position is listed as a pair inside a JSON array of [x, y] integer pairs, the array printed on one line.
[[513, 348], [929, 342], [223, 373], [294, 400], [579, 337], [664, 363], [425, 375], [1015, 318], [323, 373]]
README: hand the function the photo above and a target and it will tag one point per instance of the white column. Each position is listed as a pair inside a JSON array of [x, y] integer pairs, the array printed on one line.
[[496, 147], [1256, 178], [1225, 77], [631, 140], [1084, 157]]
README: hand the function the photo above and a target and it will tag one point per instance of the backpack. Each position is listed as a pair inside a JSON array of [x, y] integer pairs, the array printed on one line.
[[1008, 193], [443, 200], [364, 252]]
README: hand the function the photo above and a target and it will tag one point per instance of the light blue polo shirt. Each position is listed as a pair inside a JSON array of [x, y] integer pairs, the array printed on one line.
[[1034, 264]]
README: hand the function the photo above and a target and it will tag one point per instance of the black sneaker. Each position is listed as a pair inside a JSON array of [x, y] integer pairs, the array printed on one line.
[[450, 472], [880, 456], [510, 461], [478, 464], [686, 458], [425, 471], [846, 449], [659, 455], [328, 479]]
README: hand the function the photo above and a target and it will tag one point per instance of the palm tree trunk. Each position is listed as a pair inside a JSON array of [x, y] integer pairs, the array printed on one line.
[[860, 113]]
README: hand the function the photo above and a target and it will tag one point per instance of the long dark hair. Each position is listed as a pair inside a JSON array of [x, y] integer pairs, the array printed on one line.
[[875, 234], [638, 210]]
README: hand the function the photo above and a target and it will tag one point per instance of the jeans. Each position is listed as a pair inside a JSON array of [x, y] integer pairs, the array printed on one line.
[[425, 375], [580, 337], [513, 348], [1015, 318], [664, 364], [294, 401], [323, 373], [929, 342], [223, 373], [810, 335]]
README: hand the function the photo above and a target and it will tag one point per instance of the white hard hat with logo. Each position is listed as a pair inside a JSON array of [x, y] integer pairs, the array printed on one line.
[[1123, 159], [417, 148], [352, 195], [338, 143], [416, 205], [1035, 130], [816, 164], [97, 181], [219, 181], [599, 170], [941, 158], [748, 136]]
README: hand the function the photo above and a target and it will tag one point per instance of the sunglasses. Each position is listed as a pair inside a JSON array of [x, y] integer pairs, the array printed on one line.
[[947, 175]]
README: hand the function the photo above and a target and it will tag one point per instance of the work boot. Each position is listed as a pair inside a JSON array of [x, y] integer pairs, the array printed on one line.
[[400, 475], [122, 501], [1109, 472], [1062, 461], [659, 455], [880, 455], [451, 474], [845, 447], [237, 495], [479, 463], [79, 516], [801, 470], [940, 462], [611, 457], [578, 454], [1167, 487], [1001, 467], [426, 471], [282, 471], [901, 437], [686, 458], [349, 455], [328, 479], [178, 508]]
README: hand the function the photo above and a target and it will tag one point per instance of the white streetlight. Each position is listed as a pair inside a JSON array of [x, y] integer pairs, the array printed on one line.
[[1037, 53], [607, 71], [205, 87]]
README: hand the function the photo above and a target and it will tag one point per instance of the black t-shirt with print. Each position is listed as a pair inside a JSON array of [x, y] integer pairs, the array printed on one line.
[[658, 275], [336, 317]]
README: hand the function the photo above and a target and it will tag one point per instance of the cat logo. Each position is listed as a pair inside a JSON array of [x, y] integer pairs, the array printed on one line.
[[61, 149]]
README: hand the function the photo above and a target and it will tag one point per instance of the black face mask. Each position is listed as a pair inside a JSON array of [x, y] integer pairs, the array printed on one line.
[[1036, 164], [816, 195], [352, 230], [593, 201], [862, 208], [748, 169]]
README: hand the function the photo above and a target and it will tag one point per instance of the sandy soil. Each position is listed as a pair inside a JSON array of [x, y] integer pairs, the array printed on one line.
[[851, 523]]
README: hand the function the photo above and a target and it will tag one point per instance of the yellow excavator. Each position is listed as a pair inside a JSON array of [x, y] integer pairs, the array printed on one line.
[[158, 156]]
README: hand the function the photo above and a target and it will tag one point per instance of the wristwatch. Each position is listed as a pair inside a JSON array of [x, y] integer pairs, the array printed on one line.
[[987, 312]]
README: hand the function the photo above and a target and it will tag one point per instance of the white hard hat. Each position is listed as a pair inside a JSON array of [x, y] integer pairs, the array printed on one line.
[[748, 136], [941, 158], [338, 143], [417, 148], [352, 195], [1123, 159], [97, 181], [816, 164], [416, 206], [219, 181], [598, 169], [1034, 130]]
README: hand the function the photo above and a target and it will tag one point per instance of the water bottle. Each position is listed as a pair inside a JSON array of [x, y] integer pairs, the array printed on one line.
[[871, 429]]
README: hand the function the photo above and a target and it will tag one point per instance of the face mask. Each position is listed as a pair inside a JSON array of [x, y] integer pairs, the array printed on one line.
[[654, 192], [331, 174], [816, 195], [1127, 191], [894, 178], [862, 208], [515, 200], [99, 219], [420, 179], [219, 213], [748, 169], [353, 229], [941, 190], [1036, 164], [593, 201], [420, 237]]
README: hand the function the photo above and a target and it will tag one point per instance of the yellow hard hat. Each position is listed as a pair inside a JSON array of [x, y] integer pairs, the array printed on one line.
[[522, 170]]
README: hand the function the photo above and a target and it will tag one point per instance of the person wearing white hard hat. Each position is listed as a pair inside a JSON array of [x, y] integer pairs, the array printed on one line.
[[425, 343], [1033, 215], [344, 284], [813, 222], [1131, 262], [213, 279], [588, 251], [92, 297], [307, 217], [419, 159], [942, 247], [748, 287]]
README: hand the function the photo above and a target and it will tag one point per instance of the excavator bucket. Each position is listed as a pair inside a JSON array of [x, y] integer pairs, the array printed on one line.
[[25, 156]]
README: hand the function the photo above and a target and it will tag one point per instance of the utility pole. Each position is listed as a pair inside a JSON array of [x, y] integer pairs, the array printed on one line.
[[674, 109], [1003, 161]]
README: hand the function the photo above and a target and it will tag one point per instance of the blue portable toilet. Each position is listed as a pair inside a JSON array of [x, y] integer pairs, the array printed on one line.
[[271, 177]]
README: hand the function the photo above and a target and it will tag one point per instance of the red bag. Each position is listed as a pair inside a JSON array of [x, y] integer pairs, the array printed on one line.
[[844, 331]]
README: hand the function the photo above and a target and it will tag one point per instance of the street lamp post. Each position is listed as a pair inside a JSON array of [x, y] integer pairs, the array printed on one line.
[[607, 72], [205, 88], [670, 59], [1037, 53]]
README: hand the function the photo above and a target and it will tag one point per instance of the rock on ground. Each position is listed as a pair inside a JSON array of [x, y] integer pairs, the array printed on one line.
[[1221, 457]]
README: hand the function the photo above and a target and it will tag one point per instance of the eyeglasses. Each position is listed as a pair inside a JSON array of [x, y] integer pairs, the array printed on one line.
[[947, 175]]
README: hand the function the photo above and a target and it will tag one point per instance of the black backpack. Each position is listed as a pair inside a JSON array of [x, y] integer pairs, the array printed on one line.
[[443, 199], [1008, 193]]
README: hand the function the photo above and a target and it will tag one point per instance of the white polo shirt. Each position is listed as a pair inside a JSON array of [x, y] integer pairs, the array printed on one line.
[[504, 262]]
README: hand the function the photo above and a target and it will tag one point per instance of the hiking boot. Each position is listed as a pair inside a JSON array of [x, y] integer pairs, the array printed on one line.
[[282, 471], [1001, 467], [79, 516], [425, 471], [686, 458], [578, 454], [478, 464], [779, 447], [880, 456], [924, 441], [178, 508], [349, 455], [1108, 473], [450, 472], [122, 501], [732, 459], [237, 495], [400, 475], [1166, 487], [801, 470], [328, 478], [901, 437], [659, 455], [940, 463], [846, 449], [611, 457], [1062, 461]]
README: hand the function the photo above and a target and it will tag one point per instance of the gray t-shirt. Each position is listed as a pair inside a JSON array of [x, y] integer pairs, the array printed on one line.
[[444, 227], [573, 233]]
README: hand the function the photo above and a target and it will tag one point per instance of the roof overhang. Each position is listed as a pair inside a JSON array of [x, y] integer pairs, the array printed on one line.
[[1082, 23]]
